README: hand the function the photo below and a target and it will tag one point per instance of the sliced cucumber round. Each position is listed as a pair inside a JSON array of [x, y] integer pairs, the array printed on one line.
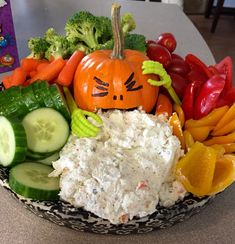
[[31, 180], [59, 101], [29, 98], [50, 159], [13, 144], [36, 156], [46, 130]]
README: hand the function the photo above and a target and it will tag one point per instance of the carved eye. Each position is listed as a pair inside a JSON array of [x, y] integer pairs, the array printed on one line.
[[130, 83], [102, 86]]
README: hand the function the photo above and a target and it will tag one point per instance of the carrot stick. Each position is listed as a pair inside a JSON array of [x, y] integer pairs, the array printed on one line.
[[164, 105], [50, 72], [42, 66], [66, 75], [32, 73], [7, 81], [30, 64], [18, 76]]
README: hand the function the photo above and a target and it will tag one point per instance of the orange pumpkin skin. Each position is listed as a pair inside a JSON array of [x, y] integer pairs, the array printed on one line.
[[102, 82]]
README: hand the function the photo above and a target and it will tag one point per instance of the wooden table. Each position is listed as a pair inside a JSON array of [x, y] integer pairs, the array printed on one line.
[[214, 224]]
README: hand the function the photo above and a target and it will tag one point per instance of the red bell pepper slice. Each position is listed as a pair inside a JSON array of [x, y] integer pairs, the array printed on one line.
[[208, 96], [225, 67], [198, 66], [189, 98]]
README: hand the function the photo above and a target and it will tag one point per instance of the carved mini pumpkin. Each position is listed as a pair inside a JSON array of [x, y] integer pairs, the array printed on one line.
[[111, 79]]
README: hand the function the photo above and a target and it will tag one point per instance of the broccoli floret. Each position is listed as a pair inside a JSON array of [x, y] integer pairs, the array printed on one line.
[[135, 42], [127, 23], [107, 32], [84, 27], [38, 46], [79, 46], [106, 46], [59, 45]]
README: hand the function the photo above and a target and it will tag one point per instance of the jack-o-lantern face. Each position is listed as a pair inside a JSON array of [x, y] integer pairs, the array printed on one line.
[[103, 82], [113, 79]]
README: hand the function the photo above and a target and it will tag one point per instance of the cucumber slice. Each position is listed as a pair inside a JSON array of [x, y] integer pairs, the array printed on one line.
[[13, 104], [59, 101], [31, 180], [13, 144], [46, 130], [29, 99], [50, 159], [46, 96], [38, 88], [36, 156]]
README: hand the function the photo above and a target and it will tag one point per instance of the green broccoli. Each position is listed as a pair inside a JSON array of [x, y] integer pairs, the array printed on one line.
[[127, 23], [87, 28], [107, 29], [59, 45], [38, 46], [135, 42], [79, 46]]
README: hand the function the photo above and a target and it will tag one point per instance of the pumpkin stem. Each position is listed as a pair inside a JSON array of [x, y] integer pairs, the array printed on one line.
[[117, 32]]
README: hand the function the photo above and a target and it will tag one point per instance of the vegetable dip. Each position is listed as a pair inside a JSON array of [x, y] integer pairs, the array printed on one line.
[[125, 171]]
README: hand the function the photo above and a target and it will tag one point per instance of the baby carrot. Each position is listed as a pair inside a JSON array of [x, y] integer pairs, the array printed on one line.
[[66, 75], [164, 105], [7, 81], [18, 76], [42, 66], [30, 64], [51, 71]]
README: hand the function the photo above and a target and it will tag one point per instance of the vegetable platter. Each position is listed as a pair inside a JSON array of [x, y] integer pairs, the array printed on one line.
[[66, 84]]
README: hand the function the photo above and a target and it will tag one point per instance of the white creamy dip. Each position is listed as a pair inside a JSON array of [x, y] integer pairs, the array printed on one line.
[[120, 173]]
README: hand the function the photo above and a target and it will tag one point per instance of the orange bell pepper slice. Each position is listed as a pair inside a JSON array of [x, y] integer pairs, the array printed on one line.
[[228, 116], [164, 106], [224, 174], [196, 169], [200, 133], [209, 120], [228, 128], [177, 129], [188, 139], [178, 109], [230, 138]]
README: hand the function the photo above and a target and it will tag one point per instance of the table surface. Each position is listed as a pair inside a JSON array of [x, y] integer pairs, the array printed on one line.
[[214, 224]]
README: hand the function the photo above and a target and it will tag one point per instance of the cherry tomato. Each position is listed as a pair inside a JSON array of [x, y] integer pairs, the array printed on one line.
[[150, 42], [179, 67], [179, 84], [168, 41], [176, 56], [159, 53]]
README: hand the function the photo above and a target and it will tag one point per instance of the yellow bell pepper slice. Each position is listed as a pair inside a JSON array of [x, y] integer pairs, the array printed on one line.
[[228, 116], [229, 148], [224, 174], [230, 138], [209, 120], [228, 128], [200, 133], [178, 109], [188, 139], [177, 129], [196, 169]]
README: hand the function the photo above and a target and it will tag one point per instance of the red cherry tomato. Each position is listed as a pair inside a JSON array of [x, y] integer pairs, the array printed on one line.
[[176, 56], [179, 67], [179, 84], [168, 41], [150, 42], [159, 53]]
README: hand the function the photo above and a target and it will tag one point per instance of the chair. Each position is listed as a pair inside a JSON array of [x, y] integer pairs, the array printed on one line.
[[218, 10]]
